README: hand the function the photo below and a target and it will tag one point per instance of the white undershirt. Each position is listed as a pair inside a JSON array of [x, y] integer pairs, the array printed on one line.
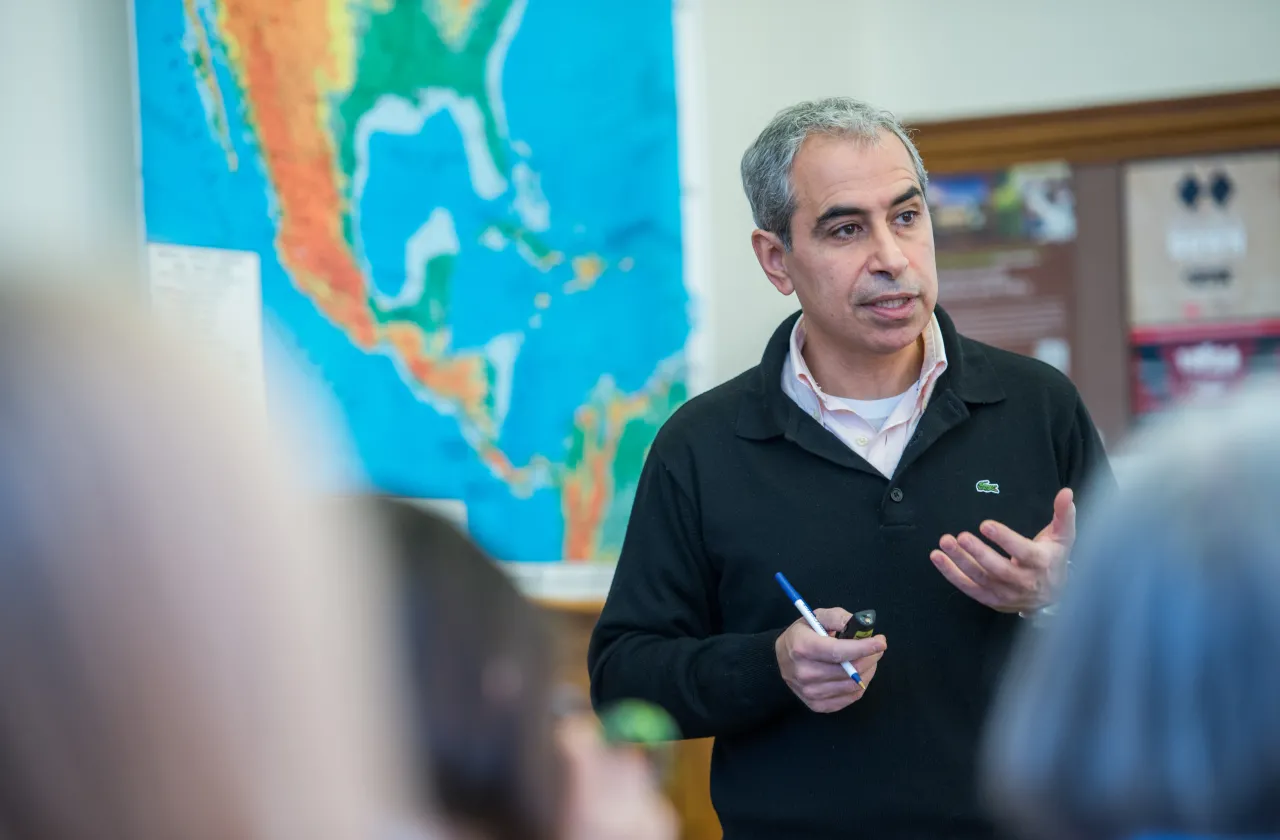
[[875, 412]]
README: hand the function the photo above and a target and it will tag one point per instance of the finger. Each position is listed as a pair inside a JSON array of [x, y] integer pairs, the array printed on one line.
[[826, 707], [867, 663], [835, 651], [865, 673], [808, 672], [960, 557], [999, 571], [835, 696], [1021, 549], [833, 618], [958, 579], [1064, 515], [831, 690]]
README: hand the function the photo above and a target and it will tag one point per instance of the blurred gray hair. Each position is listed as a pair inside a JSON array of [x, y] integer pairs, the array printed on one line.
[[187, 647], [766, 166], [1150, 702]]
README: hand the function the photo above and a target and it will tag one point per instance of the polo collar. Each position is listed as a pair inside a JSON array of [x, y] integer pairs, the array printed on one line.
[[766, 411]]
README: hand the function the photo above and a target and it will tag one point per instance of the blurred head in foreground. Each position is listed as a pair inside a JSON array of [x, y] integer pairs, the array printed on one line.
[[480, 660], [185, 651], [501, 760], [1151, 702]]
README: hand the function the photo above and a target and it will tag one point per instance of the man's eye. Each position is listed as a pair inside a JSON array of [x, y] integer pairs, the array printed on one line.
[[908, 216], [848, 230]]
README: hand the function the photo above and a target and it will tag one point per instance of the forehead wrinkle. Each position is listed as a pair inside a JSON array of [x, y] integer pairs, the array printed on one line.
[[844, 194]]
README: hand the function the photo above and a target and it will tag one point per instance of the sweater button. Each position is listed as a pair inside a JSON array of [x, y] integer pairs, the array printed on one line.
[[896, 494]]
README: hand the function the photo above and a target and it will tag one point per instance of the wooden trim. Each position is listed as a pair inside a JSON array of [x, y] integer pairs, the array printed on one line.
[[1107, 134], [590, 608]]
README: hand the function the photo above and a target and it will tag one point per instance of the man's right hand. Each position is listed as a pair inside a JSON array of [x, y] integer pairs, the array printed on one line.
[[810, 663]]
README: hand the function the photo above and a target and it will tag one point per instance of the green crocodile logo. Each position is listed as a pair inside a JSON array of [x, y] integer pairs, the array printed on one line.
[[985, 486]]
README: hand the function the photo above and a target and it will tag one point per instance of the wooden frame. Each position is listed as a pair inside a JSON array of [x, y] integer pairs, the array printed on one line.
[[1106, 134]]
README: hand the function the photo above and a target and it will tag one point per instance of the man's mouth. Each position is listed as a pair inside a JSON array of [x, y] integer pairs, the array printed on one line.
[[891, 306]]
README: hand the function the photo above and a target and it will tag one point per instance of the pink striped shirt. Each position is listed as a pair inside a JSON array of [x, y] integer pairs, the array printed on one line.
[[882, 447]]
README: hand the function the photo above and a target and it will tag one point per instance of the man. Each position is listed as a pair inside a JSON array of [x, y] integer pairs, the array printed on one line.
[[862, 457]]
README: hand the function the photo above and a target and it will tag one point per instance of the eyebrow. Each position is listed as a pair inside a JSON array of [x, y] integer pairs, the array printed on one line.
[[841, 211]]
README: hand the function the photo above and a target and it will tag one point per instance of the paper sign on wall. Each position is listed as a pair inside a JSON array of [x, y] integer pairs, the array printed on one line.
[[213, 299], [1203, 239]]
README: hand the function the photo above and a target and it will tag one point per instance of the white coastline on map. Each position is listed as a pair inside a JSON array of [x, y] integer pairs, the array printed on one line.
[[396, 115], [496, 60], [436, 237]]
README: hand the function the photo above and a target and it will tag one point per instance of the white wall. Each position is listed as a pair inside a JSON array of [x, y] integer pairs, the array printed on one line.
[[939, 59], [67, 174], [759, 56]]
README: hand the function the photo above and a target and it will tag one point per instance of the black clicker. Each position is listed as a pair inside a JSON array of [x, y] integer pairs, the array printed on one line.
[[861, 626]]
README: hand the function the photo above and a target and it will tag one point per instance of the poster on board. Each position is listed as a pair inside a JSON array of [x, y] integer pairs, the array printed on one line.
[[1006, 257], [1203, 239], [1203, 246]]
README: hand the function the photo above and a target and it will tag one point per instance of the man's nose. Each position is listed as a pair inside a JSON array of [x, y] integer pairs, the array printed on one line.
[[887, 260]]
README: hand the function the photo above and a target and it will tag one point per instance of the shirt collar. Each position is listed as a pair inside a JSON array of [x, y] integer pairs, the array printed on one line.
[[766, 410], [931, 367]]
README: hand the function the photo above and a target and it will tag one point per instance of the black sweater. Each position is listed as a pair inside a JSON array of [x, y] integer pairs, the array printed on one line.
[[742, 483]]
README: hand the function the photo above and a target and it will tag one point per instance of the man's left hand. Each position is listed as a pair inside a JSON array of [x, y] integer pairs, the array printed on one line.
[[1029, 578]]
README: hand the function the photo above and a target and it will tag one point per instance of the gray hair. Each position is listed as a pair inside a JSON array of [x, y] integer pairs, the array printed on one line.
[[1149, 702], [766, 165]]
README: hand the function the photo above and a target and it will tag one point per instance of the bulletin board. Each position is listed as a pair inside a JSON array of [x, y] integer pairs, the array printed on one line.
[[1167, 294], [1203, 275]]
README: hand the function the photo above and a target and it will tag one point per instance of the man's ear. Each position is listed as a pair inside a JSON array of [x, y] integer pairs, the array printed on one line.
[[770, 252]]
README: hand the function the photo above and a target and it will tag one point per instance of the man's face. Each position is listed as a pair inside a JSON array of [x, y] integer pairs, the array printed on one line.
[[861, 261]]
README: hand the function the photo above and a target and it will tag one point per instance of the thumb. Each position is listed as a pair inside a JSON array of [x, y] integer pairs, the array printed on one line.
[[1064, 516], [833, 618]]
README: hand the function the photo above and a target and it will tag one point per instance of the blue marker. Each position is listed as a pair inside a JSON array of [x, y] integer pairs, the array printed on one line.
[[814, 623]]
